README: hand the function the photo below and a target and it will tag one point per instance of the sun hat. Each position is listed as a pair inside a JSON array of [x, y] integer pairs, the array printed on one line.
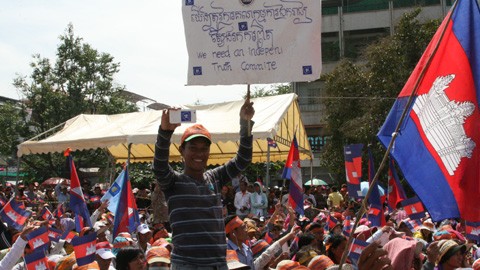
[[447, 249], [158, 254], [104, 250], [195, 131], [320, 262], [91, 266], [118, 243], [289, 265]]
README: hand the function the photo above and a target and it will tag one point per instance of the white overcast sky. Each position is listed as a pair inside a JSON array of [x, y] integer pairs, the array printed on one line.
[[145, 36]]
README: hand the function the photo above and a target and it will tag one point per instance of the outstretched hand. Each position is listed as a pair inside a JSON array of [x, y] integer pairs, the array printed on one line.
[[247, 111]]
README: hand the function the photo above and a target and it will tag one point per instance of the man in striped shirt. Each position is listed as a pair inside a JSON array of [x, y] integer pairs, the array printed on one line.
[[194, 197]]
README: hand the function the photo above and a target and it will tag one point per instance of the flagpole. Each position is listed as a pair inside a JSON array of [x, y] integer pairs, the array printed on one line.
[[267, 176], [249, 125], [363, 206]]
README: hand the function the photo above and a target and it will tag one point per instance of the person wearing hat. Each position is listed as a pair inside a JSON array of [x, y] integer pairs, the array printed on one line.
[[104, 255], [193, 197], [258, 201], [144, 235], [236, 232], [158, 258], [450, 255]]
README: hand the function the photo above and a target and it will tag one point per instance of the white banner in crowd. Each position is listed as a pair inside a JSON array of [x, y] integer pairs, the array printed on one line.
[[252, 41]]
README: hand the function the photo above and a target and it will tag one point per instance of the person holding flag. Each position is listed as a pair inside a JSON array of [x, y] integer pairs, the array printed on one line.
[[16, 252], [194, 196]]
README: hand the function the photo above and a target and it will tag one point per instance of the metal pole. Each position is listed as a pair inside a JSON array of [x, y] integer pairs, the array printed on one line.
[[267, 176]]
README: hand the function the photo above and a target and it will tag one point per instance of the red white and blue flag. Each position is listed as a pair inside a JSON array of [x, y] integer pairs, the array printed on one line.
[[396, 193], [293, 172], [68, 236], [77, 202], [437, 147], [271, 143], [353, 169], [347, 226], [36, 260], [14, 214], [356, 250], [59, 211], [85, 248], [126, 215], [331, 223], [375, 214], [39, 239], [412, 224], [414, 208], [472, 230], [54, 234]]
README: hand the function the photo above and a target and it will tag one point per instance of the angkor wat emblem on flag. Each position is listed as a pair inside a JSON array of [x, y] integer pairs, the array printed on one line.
[[442, 122]]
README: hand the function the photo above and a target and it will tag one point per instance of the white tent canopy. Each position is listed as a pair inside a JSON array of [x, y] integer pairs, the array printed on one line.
[[276, 117]]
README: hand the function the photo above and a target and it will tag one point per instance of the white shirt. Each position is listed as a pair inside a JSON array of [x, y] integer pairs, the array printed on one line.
[[241, 200]]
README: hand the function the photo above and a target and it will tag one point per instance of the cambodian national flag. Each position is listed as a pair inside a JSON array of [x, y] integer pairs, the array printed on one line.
[[45, 213], [54, 234], [412, 224], [414, 208], [59, 211], [437, 147], [113, 193], [347, 226], [77, 202], [68, 236], [472, 230], [126, 215], [271, 143], [293, 172], [38, 239], [331, 222], [36, 260], [14, 214], [375, 215], [85, 248], [396, 193], [356, 250], [353, 169]]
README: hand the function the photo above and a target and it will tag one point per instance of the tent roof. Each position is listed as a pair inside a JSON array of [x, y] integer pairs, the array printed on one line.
[[276, 117]]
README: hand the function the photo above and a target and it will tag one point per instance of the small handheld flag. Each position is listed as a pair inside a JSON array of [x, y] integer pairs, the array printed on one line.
[[77, 202], [36, 260], [271, 143], [85, 248], [414, 208], [38, 239], [14, 214], [113, 193], [472, 230], [356, 250], [396, 193], [293, 172], [126, 215]]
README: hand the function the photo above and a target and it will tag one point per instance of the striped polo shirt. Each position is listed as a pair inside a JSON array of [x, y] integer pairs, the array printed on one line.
[[195, 208]]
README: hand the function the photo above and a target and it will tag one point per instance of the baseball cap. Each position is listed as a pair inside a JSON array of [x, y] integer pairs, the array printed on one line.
[[158, 254], [143, 228], [104, 250], [195, 131]]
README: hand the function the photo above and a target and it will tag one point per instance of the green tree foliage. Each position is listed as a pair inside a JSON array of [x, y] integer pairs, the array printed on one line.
[[79, 82], [272, 90], [367, 89]]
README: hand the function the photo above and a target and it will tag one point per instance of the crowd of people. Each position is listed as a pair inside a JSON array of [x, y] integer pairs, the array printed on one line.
[[218, 219]]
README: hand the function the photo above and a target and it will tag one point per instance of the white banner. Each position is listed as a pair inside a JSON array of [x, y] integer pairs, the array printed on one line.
[[252, 41]]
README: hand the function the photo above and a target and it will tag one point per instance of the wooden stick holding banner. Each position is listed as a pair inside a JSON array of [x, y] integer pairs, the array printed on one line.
[[363, 207]]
